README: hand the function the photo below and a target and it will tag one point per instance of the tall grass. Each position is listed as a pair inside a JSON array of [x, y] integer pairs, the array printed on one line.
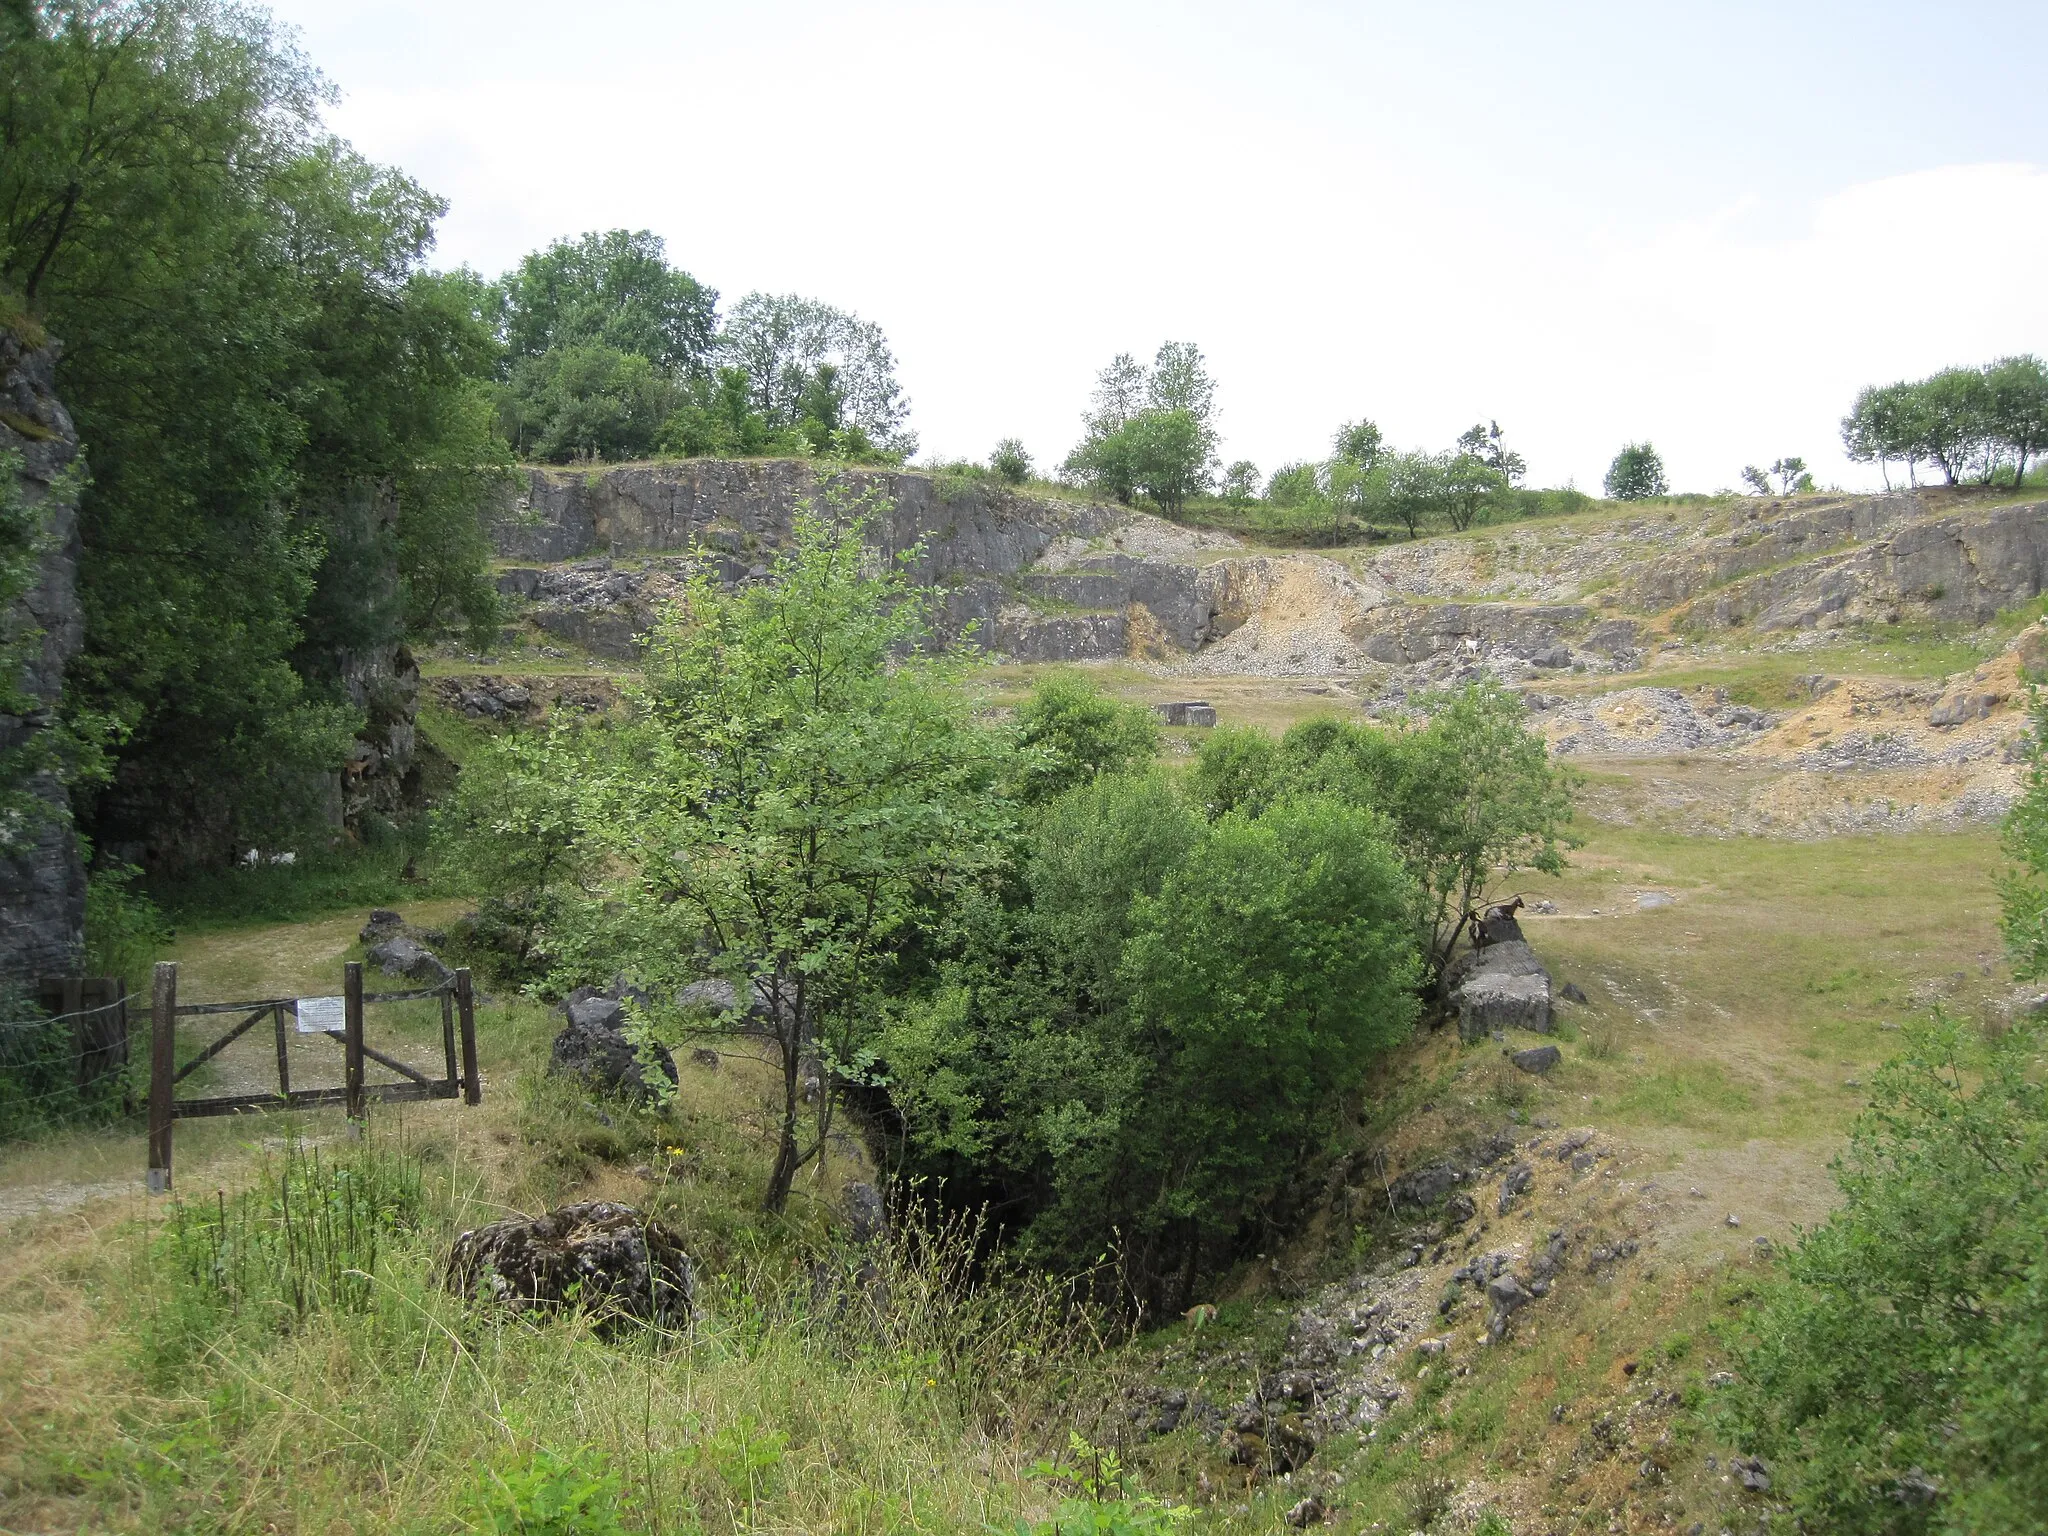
[[301, 1367]]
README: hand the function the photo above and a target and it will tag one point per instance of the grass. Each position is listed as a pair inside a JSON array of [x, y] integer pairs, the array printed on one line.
[[212, 1366]]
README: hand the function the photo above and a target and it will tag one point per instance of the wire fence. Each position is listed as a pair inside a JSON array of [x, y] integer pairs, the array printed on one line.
[[63, 1070]]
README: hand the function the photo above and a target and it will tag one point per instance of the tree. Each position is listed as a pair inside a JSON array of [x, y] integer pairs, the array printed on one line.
[[1272, 969], [1120, 393], [1010, 462], [589, 401], [1180, 382], [799, 785], [2024, 888], [1358, 442], [511, 830], [1792, 476], [1152, 432], [1470, 796], [781, 341], [1069, 732], [2018, 408], [1883, 425], [1241, 483], [1151, 1044], [1758, 480], [1485, 444], [1896, 1373], [1170, 456], [1637, 474], [1954, 422], [1409, 487], [1106, 460], [1466, 485], [614, 290], [1294, 485], [255, 358], [717, 418]]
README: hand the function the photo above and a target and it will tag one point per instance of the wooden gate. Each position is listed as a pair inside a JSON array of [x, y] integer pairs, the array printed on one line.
[[342, 1024]]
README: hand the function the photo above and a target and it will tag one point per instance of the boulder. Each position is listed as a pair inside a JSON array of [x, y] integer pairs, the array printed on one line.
[[1538, 1061], [407, 957], [382, 925], [1187, 712], [1496, 926], [1961, 709], [1489, 1001], [605, 1258], [594, 1048], [1505, 1296], [866, 1216], [1515, 1182], [714, 995]]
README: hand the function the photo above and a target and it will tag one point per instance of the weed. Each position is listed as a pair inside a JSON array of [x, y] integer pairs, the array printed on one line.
[[550, 1495], [1104, 1499]]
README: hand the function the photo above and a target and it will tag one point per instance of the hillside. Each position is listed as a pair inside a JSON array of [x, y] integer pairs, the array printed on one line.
[[1794, 667]]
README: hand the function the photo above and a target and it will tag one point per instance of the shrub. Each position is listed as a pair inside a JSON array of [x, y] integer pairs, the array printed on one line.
[[1637, 474], [1070, 732], [1010, 462], [1898, 1372]]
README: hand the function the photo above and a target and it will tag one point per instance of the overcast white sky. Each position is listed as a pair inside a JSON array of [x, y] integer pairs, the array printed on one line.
[[1703, 224]]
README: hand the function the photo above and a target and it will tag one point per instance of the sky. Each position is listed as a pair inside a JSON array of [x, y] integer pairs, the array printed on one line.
[[1705, 225]]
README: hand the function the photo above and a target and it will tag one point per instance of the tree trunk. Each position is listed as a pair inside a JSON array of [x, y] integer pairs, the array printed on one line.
[[786, 1159]]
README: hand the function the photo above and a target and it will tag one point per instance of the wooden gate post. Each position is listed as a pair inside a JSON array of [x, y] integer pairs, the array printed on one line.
[[163, 1067], [352, 1044], [465, 1008]]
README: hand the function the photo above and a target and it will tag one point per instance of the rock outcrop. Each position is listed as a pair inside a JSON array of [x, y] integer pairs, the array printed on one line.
[[42, 878], [1850, 560], [1498, 988]]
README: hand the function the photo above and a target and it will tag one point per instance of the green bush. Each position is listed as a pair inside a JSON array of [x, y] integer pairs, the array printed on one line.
[[124, 932], [1070, 732], [1896, 1376]]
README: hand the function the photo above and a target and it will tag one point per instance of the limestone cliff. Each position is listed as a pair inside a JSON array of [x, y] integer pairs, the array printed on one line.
[[42, 879]]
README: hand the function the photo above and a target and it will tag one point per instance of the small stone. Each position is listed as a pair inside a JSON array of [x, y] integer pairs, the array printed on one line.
[[1752, 1473], [1649, 901], [1734, 1220], [1308, 1512], [1697, 1193], [1572, 992]]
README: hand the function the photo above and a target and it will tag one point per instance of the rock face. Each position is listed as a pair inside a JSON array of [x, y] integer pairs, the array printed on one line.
[[607, 1259], [1864, 559], [42, 878]]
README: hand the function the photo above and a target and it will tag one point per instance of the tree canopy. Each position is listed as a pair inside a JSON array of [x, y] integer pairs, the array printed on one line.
[[284, 413], [1983, 423], [1637, 474]]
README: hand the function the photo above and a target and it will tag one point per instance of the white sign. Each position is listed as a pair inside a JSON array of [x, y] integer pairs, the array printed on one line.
[[322, 1015]]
